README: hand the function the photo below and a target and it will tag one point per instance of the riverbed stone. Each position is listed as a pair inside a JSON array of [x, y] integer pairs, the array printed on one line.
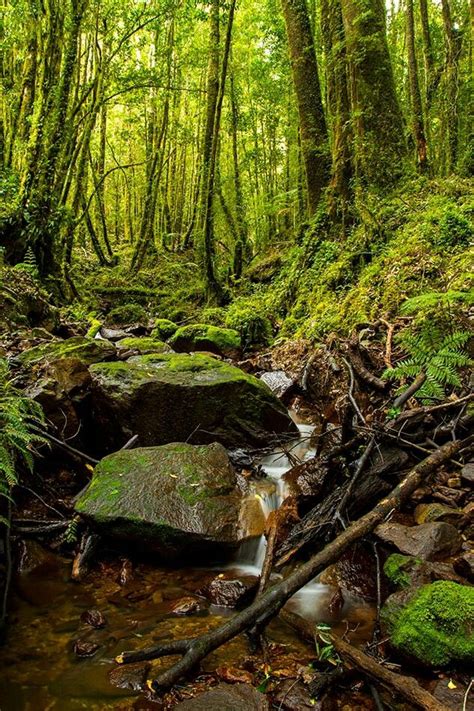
[[428, 541], [177, 500], [231, 591], [87, 350], [202, 337], [227, 697], [181, 397], [432, 624]]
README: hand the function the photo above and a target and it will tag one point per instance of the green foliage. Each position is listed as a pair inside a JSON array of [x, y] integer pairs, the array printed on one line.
[[18, 417], [129, 313], [324, 646], [247, 317], [214, 315], [454, 231]]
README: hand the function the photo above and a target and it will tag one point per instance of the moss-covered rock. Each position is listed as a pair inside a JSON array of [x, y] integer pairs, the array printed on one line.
[[181, 397], [128, 313], [86, 350], [433, 625], [144, 345], [202, 337], [177, 499], [164, 329], [400, 569]]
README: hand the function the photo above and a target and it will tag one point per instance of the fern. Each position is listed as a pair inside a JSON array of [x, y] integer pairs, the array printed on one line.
[[18, 417]]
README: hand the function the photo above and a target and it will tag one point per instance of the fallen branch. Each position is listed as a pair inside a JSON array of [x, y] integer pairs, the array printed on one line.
[[423, 411], [65, 446], [405, 686], [411, 390], [362, 372], [270, 603]]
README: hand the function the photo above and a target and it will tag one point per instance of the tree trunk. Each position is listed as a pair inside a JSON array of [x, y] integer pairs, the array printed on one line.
[[314, 138], [415, 94]]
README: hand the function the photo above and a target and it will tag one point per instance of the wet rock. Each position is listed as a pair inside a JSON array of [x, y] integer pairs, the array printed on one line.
[[451, 694], [130, 676], [464, 565], [292, 696], [85, 648], [175, 397], [33, 559], [279, 383], [432, 624], [426, 513], [428, 541], [404, 571], [234, 675], [356, 572], [467, 473], [187, 606], [143, 346], [227, 697], [201, 337], [178, 499], [231, 592], [94, 618]]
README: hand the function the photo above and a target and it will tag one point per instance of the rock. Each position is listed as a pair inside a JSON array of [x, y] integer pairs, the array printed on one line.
[[428, 541], [404, 571], [130, 676], [187, 606], [84, 648], [356, 572], [33, 559], [178, 398], [227, 697], [432, 624], [464, 565], [23, 301], [227, 591], [144, 345], [234, 675], [278, 382], [164, 329], [86, 350], [292, 695], [426, 513], [467, 473], [452, 694], [94, 618], [113, 334], [177, 499], [201, 337]]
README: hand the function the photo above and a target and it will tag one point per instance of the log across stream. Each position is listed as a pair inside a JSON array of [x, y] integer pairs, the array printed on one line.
[[40, 667]]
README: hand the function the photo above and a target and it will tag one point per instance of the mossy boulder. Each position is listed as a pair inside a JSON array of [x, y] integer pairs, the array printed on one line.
[[144, 345], [86, 350], [128, 313], [433, 625], [179, 398], [202, 337], [401, 569], [177, 500], [164, 329]]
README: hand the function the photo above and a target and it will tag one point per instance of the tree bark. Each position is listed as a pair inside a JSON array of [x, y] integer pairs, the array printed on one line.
[[415, 93]]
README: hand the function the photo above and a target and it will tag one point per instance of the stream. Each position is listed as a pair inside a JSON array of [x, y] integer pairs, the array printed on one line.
[[40, 670]]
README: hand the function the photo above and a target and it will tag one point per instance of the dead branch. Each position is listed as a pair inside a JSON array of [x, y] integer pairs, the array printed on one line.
[[260, 612], [411, 390], [362, 372]]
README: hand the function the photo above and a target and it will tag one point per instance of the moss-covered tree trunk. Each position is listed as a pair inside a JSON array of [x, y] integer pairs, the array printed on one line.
[[313, 130], [418, 124], [380, 146]]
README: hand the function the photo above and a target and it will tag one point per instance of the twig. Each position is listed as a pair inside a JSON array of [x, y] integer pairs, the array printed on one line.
[[351, 390], [65, 446], [362, 462], [411, 390]]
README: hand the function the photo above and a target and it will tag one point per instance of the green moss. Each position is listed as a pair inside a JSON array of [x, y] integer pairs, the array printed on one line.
[[88, 350], [250, 321], [435, 626], [144, 345], [397, 568], [164, 329], [129, 313], [199, 336]]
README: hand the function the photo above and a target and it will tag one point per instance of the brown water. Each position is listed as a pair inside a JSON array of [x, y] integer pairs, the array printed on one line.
[[40, 670]]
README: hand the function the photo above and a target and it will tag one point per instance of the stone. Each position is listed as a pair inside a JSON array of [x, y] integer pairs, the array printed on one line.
[[235, 591], [426, 513], [178, 499], [164, 329], [144, 345], [113, 334], [202, 337], [278, 382], [292, 695], [227, 697], [464, 565], [428, 541], [86, 350], [179, 398], [467, 473], [130, 676], [187, 606], [452, 695], [94, 618], [432, 625], [404, 571], [84, 648]]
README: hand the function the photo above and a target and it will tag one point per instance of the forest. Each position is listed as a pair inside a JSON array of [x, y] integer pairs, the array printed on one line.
[[236, 307]]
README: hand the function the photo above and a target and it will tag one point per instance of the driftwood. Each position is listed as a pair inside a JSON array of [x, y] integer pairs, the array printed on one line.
[[404, 686], [260, 612]]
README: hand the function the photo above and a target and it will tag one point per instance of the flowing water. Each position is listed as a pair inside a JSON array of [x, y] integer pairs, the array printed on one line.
[[39, 668]]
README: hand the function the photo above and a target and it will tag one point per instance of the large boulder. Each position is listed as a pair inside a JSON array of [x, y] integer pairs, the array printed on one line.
[[202, 337], [433, 625], [177, 500], [428, 541], [180, 398], [86, 350]]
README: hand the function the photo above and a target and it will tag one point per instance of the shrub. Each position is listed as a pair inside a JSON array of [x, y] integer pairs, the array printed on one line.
[[130, 313], [254, 327]]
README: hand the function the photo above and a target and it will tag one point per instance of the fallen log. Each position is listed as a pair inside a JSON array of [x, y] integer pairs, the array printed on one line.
[[260, 612], [404, 686]]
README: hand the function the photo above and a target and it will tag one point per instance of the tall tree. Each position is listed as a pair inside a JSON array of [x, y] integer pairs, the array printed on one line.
[[314, 137], [415, 93]]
